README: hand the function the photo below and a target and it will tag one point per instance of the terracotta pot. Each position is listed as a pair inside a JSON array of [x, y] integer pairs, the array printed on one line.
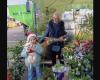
[[9, 75]]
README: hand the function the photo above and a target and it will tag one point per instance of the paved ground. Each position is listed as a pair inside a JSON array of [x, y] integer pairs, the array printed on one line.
[[14, 35]]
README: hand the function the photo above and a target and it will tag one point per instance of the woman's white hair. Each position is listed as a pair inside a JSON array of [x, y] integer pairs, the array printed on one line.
[[58, 14]]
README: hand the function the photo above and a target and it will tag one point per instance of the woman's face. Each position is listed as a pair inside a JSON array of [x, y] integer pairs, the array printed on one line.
[[55, 18]]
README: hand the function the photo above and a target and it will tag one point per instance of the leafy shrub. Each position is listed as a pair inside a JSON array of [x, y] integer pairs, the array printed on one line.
[[18, 66]]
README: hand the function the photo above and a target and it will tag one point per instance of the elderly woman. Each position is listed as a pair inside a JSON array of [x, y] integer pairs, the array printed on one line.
[[32, 52], [55, 29]]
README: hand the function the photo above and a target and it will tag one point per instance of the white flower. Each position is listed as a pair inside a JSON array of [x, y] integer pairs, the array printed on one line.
[[77, 73], [79, 64], [70, 57]]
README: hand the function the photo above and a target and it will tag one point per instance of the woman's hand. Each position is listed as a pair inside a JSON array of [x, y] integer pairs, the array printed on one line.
[[46, 40], [61, 39], [31, 54], [30, 50]]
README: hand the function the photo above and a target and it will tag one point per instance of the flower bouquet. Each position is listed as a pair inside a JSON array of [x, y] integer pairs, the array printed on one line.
[[59, 71]]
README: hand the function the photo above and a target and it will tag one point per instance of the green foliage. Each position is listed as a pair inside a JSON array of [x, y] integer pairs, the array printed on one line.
[[79, 65], [86, 35], [48, 73], [18, 70], [90, 20], [41, 25], [18, 66]]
